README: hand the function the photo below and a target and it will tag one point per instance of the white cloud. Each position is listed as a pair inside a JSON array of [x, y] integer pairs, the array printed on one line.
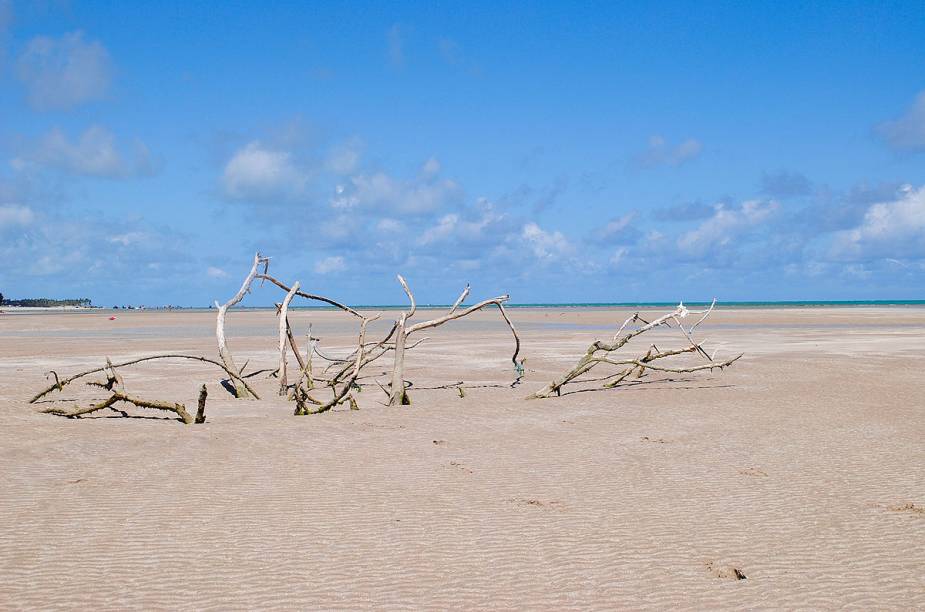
[[907, 133], [94, 153], [545, 245], [60, 73], [14, 214], [890, 229], [257, 172], [661, 152], [726, 224], [214, 272], [455, 227], [382, 192], [330, 264]]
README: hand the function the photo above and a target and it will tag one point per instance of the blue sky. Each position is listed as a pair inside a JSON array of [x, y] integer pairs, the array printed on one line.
[[560, 152]]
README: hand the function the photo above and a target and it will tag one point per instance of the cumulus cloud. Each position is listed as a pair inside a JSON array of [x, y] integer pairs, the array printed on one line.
[[94, 153], [546, 246], [906, 133], [662, 153], [463, 228], [60, 73], [383, 193], [329, 265], [893, 229], [727, 224], [257, 172]]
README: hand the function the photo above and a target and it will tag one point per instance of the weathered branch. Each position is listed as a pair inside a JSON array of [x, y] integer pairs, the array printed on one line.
[[302, 409], [599, 353], [310, 296], [201, 409], [60, 383], [223, 351], [284, 337], [119, 396], [398, 393]]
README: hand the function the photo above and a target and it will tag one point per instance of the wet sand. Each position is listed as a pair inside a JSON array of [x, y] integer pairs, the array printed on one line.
[[802, 467]]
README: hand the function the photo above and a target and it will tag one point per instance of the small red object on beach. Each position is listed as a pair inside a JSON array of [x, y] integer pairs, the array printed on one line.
[[112, 318]]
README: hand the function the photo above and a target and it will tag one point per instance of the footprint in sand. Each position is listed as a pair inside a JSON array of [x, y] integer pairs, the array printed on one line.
[[753, 471], [460, 467], [726, 572]]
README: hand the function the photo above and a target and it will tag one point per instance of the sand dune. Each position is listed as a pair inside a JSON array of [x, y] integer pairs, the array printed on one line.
[[794, 479]]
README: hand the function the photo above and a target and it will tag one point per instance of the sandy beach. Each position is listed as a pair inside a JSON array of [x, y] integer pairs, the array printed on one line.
[[800, 468]]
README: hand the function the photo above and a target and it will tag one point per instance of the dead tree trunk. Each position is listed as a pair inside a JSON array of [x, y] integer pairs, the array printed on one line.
[[284, 337], [223, 352], [397, 394]]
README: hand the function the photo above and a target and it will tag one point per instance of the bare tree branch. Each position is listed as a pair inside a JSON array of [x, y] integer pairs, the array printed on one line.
[[223, 351], [59, 384], [599, 353]]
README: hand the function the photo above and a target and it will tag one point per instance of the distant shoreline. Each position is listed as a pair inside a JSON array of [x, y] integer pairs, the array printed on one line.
[[589, 305]]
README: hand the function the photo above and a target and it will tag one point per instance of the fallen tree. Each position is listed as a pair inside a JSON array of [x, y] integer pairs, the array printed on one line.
[[601, 353], [113, 379]]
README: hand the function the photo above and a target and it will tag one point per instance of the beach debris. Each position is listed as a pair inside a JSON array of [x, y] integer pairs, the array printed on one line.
[[601, 352], [726, 572], [398, 394], [223, 352], [59, 383]]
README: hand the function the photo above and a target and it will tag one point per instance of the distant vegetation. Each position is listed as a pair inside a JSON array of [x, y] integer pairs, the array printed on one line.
[[44, 302]]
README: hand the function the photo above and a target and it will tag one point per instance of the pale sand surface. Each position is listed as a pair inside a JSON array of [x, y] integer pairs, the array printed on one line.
[[794, 466]]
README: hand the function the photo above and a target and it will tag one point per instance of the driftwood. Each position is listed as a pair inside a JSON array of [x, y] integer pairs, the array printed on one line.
[[599, 352], [120, 396], [224, 353], [398, 394], [59, 383], [284, 338], [346, 387], [201, 409], [345, 376]]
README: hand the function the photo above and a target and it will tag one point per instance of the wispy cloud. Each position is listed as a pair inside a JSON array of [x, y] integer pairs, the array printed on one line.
[[662, 153], [329, 265], [60, 73], [94, 153], [906, 133]]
